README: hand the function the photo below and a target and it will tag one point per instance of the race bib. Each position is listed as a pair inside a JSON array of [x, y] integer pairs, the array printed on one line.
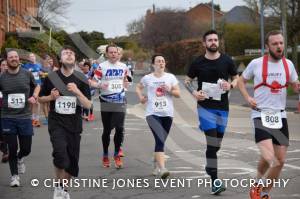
[[16, 100], [160, 104], [271, 119], [65, 105], [36, 75], [115, 86]]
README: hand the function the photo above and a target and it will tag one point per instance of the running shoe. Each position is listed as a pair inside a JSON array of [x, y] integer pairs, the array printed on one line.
[[164, 173], [15, 181], [36, 123], [121, 153], [58, 193], [255, 191], [118, 162], [21, 166], [91, 117], [105, 162], [217, 188]]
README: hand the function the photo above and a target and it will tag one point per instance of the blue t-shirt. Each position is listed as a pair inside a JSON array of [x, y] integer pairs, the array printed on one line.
[[35, 69]]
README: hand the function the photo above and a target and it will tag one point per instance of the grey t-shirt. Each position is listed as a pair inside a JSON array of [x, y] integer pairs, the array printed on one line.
[[16, 89]]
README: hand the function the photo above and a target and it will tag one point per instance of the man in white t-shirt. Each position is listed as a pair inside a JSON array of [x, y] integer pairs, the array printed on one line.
[[272, 74]]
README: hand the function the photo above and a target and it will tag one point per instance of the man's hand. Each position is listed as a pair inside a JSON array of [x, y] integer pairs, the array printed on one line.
[[251, 101], [199, 95], [226, 86], [73, 88], [32, 100], [54, 94]]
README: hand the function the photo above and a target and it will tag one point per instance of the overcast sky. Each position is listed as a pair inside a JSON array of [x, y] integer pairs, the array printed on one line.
[[112, 16]]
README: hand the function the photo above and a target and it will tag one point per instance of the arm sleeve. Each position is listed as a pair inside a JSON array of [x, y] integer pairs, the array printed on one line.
[[249, 71]]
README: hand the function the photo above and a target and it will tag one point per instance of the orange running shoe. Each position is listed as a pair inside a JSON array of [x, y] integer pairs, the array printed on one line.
[[255, 191], [91, 117], [121, 153], [118, 162], [36, 123], [105, 162]]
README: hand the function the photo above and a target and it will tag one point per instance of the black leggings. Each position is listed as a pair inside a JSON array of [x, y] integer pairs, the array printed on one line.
[[25, 149], [160, 127], [113, 117], [3, 144], [213, 142]]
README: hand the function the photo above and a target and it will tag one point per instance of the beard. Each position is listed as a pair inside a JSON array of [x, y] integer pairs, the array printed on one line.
[[212, 49], [274, 56], [13, 65]]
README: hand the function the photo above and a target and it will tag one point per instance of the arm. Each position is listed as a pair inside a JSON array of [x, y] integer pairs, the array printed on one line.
[[199, 95], [175, 91], [139, 90], [85, 102], [296, 86], [241, 83]]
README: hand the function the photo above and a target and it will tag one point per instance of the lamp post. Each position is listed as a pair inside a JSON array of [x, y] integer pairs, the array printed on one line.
[[212, 15], [262, 32]]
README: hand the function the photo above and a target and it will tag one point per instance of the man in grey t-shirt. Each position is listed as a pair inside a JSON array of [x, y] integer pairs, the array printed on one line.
[[19, 91]]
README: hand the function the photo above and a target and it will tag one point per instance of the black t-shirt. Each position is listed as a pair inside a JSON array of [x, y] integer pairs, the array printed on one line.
[[210, 71], [71, 122]]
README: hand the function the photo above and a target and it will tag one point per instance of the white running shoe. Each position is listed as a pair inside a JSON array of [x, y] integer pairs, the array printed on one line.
[[21, 166], [66, 195], [164, 173], [15, 181], [156, 169], [58, 193]]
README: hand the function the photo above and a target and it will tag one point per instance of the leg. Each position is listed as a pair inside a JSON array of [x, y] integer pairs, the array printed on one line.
[[106, 121], [12, 142], [119, 119], [25, 145]]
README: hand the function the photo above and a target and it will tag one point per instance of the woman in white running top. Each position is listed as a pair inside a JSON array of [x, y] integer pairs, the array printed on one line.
[[161, 87]]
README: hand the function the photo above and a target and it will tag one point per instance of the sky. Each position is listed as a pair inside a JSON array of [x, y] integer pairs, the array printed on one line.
[[112, 16]]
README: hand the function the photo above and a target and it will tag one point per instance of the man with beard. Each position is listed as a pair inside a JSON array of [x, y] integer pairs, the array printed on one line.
[[272, 74], [67, 91], [212, 71], [19, 90]]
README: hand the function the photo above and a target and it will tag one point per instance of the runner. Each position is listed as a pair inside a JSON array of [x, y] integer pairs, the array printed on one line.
[[111, 78], [161, 87], [271, 73], [19, 90], [3, 144], [212, 72], [66, 90], [36, 70]]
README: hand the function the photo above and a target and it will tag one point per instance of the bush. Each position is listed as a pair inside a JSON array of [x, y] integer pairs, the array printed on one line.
[[179, 55]]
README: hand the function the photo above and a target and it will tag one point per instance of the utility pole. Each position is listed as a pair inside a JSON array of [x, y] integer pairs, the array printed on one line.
[[7, 16], [262, 31], [212, 15], [284, 25]]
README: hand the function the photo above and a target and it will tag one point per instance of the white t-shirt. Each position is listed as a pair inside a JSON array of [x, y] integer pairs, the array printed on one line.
[[159, 103], [263, 95], [113, 75]]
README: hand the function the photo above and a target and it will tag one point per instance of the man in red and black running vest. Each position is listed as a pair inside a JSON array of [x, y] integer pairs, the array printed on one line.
[[272, 74]]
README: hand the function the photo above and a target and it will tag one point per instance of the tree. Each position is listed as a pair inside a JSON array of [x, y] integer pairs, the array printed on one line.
[[50, 11], [136, 26], [274, 11], [165, 26]]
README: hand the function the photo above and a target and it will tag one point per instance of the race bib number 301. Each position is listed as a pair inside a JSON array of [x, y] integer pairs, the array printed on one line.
[[65, 105], [160, 104], [271, 119], [16, 100]]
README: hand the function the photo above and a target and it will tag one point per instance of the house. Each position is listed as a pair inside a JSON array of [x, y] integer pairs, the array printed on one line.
[[202, 14], [17, 15], [241, 14]]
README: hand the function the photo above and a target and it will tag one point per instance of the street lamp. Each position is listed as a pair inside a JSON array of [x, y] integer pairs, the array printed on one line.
[[212, 15], [262, 32]]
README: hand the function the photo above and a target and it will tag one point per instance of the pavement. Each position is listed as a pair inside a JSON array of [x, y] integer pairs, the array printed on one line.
[[185, 153]]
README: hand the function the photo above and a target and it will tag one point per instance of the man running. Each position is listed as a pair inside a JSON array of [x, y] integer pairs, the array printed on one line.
[[272, 74], [111, 78], [212, 72], [67, 91], [19, 90], [36, 70]]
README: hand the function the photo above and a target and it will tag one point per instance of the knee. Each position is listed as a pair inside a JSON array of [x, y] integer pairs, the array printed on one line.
[[60, 161]]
